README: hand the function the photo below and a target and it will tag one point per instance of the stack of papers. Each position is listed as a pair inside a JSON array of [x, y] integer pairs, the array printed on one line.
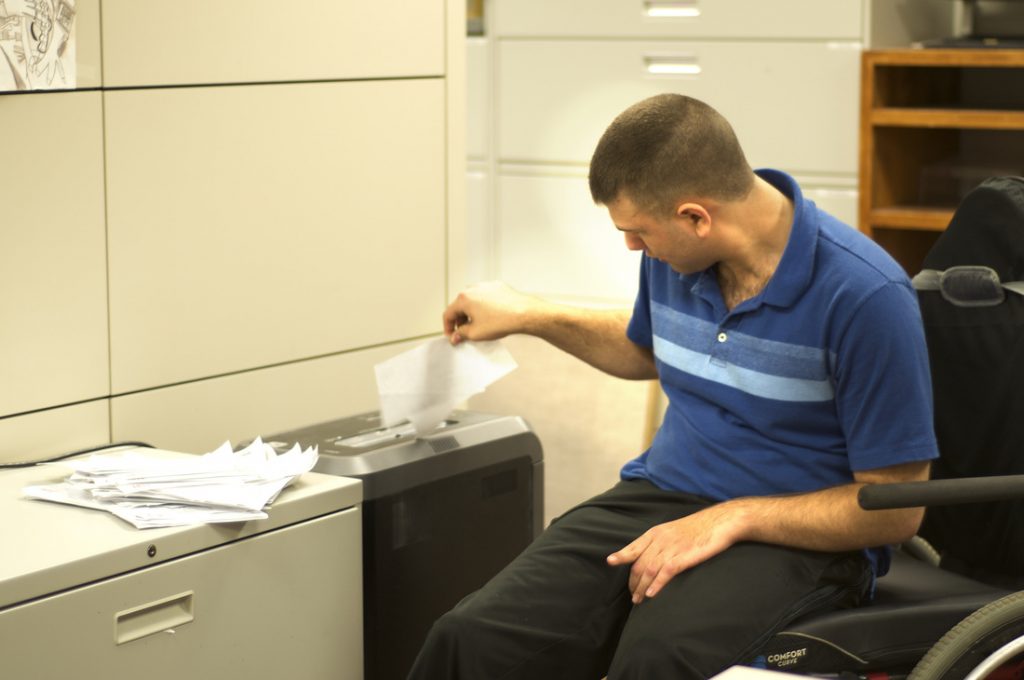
[[150, 492]]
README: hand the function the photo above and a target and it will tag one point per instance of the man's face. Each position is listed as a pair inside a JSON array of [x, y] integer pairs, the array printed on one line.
[[671, 240]]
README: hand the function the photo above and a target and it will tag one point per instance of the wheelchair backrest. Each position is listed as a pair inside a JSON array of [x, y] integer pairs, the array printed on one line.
[[977, 361]]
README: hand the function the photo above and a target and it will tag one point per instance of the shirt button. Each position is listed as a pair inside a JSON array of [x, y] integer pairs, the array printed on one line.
[[722, 337]]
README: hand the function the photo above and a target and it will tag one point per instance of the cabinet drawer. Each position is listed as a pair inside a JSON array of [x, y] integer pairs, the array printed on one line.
[[254, 225], [840, 203], [53, 315], [553, 240], [197, 41], [287, 603], [793, 105], [832, 19]]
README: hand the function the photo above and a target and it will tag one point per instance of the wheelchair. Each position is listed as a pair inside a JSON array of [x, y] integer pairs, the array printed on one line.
[[952, 604]]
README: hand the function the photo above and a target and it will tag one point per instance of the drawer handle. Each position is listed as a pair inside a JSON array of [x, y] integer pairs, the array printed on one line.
[[670, 9], [674, 65], [155, 617]]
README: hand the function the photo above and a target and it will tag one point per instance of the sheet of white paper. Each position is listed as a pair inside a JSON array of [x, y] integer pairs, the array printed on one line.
[[746, 673], [426, 383]]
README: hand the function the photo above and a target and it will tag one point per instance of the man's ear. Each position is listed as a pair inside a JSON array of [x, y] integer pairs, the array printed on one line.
[[696, 217]]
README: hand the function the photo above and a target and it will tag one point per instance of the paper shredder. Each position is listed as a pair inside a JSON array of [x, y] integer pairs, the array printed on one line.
[[442, 513]]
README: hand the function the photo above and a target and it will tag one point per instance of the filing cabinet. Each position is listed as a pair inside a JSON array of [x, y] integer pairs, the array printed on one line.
[[553, 237], [85, 595], [788, 101], [732, 19], [784, 73]]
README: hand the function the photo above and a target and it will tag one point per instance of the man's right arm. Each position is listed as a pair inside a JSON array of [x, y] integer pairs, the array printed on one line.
[[491, 311]]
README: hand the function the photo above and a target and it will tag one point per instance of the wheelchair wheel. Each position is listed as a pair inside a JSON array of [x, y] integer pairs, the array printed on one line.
[[987, 644]]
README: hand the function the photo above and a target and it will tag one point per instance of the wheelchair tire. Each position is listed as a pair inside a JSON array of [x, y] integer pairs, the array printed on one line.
[[973, 640]]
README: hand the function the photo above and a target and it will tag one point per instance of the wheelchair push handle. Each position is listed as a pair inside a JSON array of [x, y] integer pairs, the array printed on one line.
[[940, 492]]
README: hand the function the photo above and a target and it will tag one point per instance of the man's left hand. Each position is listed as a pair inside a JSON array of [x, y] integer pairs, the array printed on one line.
[[668, 549]]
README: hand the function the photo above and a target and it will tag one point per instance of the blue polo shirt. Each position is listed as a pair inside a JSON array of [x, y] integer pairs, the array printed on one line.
[[822, 374]]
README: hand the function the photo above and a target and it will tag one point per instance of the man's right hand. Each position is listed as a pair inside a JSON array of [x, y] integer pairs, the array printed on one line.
[[488, 311]]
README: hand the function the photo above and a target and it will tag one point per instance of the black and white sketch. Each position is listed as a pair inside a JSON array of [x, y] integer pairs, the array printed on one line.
[[37, 44]]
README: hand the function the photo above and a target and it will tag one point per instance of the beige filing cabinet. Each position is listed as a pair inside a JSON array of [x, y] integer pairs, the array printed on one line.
[[85, 595], [784, 73]]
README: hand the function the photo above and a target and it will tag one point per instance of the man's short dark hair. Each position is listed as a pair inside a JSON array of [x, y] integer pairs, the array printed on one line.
[[665, 149]]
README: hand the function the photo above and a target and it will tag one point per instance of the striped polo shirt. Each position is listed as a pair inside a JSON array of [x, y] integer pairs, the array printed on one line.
[[824, 373]]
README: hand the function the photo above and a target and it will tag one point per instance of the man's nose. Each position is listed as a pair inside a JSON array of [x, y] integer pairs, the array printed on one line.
[[634, 242]]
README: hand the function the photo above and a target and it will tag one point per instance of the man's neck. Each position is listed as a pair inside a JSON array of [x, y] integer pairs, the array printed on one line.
[[761, 224]]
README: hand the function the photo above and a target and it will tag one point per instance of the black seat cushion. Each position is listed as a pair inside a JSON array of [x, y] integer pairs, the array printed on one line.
[[915, 604]]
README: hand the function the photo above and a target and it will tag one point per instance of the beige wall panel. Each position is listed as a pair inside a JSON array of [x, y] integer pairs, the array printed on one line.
[[552, 240], [197, 417], [53, 313], [87, 43], [255, 225], [839, 19], [55, 431], [198, 41], [456, 97], [794, 105]]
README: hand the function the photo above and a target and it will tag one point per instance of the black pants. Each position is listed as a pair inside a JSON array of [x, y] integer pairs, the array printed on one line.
[[559, 612]]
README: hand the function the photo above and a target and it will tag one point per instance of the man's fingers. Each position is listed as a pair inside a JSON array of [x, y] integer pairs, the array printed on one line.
[[629, 554], [647, 578], [666, 574], [454, 326]]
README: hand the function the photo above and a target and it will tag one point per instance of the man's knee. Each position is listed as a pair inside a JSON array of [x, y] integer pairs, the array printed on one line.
[[450, 628], [446, 642]]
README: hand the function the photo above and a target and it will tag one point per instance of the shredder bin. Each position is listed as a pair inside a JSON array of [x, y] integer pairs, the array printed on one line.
[[442, 513]]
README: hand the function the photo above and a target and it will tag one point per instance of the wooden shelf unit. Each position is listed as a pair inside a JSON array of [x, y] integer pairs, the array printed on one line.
[[934, 124]]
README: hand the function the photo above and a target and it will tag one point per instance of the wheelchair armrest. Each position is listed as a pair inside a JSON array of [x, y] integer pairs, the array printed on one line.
[[940, 492]]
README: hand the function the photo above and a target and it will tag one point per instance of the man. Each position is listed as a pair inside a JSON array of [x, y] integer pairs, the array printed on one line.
[[791, 350]]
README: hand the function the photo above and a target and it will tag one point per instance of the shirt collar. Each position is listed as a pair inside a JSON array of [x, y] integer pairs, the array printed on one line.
[[796, 268]]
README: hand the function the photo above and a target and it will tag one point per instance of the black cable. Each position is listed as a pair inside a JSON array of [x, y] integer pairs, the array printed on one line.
[[72, 454]]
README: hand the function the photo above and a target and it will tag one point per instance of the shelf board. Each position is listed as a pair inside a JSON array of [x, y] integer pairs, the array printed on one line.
[[910, 218], [948, 118], [957, 58]]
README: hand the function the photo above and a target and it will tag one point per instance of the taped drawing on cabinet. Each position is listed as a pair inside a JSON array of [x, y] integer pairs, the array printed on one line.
[[37, 45]]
